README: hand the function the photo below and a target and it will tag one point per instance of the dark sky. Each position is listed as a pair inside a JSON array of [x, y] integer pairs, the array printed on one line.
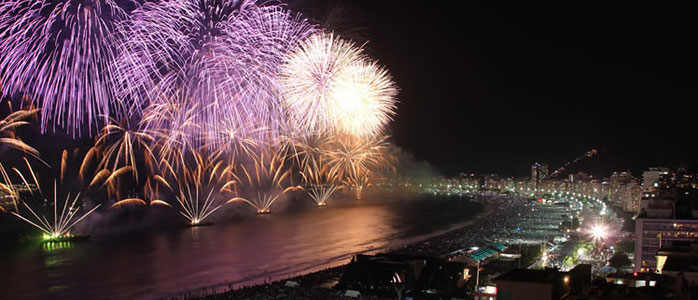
[[489, 87]]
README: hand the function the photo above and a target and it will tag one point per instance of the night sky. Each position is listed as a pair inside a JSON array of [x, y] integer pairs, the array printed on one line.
[[492, 87]]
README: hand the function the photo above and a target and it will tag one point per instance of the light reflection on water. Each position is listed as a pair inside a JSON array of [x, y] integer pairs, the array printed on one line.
[[147, 265]]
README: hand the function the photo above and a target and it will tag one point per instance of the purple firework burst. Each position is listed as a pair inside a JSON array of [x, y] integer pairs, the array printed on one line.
[[59, 54], [222, 55]]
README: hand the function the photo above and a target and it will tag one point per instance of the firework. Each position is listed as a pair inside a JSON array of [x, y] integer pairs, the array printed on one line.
[[56, 227], [308, 76], [195, 188], [263, 181], [312, 155], [363, 99], [9, 124], [8, 137], [353, 161], [122, 151], [8, 187], [221, 55], [87, 173], [329, 85], [320, 193], [130, 201], [171, 123], [60, 54], [62, 223]]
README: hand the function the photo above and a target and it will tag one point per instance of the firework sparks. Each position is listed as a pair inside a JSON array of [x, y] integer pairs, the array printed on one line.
[[264, 181], [124, 148], [221, 55], [312, 155], [60, 54], [129, 201], [8, 187], [86, 173], [363, 99], [322, 192], [308, 75], [196, 187], [600, 232], [59, 225], [329, 85], [172, 124], [354, 161], [9, 124], [216, 86]]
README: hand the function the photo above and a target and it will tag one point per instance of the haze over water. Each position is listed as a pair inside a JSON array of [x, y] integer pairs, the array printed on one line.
[[152, 264]]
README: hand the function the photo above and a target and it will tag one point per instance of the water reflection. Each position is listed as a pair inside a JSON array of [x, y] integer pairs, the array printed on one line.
[[151, 264], [54, 246]]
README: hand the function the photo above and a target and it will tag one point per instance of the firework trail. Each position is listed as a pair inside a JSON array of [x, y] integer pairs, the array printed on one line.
[[172, 125], [8, 186], [312, 155], [60, 55], [61, 223], [196, 188], [329, 85], [263, 181], [122, 143], [221, 55], [8, 137], [85, 173], [54, 225], [9, 124], [93, 175], [354, 161]]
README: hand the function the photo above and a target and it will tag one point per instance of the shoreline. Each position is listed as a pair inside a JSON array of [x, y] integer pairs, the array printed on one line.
[[318, 280]]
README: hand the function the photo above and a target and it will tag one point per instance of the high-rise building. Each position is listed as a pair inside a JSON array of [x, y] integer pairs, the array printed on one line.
[[669, 217], [618, 181], [651, 235], [633, 196], [625, 191], [652, 175], [539, 171]]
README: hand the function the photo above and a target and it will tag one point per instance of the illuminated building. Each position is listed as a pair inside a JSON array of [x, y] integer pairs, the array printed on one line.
[[669, 217], [651, 235], [624, 191], [539, 172], [652, 175]]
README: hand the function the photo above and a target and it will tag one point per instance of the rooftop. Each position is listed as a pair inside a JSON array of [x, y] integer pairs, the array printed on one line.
[[529, 275], [680, 263], [481, 254], [498, 247]]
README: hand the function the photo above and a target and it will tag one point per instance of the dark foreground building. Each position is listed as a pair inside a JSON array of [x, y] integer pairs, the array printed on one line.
[[547, 284], [405, 277]]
